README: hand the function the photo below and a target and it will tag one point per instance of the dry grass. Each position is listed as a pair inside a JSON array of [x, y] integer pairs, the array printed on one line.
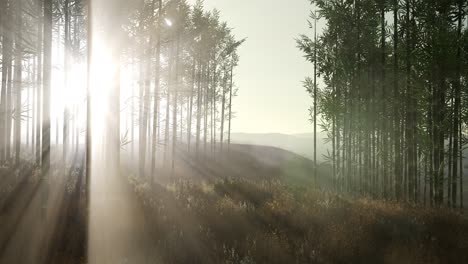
[[260, 221], [242, 221]]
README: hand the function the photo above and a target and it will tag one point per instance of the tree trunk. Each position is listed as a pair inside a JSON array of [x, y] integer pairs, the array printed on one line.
[[47, 71], [66, 114], [456, 111], [6, 68], [33, 106], [214, 93], [18, 78], [384, 105], [174, 107], [39, 51], [231, 86], [168, 100], [199, 94], [88, 143], [190, 111], [146, 99], [460, 155], [28, 103], [156, 90], [396, 107], [223, 107], [205, 108], [315, 100]]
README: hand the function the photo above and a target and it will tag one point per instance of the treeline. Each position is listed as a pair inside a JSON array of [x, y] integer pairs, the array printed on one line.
[[178, 62], [394, 99]]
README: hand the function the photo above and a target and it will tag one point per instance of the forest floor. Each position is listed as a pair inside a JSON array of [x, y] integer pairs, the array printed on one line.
[[253, 205]]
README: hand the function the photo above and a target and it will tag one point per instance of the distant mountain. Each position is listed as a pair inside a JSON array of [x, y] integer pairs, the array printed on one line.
[[301, 144]]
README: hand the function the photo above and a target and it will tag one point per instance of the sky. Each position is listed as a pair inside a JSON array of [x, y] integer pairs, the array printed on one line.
[[271, 98]]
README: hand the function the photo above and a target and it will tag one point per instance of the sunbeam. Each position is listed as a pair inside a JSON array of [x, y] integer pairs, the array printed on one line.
[[118, 142]]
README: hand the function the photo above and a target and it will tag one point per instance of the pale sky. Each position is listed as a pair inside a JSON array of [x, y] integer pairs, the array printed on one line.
[[271, 98]]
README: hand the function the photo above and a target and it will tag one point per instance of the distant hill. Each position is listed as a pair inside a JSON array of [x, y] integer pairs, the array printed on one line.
[[301, 144], [252, 162]]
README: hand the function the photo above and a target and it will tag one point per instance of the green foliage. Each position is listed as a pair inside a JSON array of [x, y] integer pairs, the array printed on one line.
[[388, 91]]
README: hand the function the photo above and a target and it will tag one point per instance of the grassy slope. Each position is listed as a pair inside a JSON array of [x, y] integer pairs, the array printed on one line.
[[246, 207], [253, 205]]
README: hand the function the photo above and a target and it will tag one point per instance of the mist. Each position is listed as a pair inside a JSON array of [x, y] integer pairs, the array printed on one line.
[[174, 131]]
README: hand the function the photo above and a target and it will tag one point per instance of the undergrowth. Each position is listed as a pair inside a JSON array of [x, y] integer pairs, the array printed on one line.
[[243, 221]]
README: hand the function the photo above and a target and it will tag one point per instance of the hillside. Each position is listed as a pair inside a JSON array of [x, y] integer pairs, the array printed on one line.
[[260, 192], [301, 144], [242, 161]]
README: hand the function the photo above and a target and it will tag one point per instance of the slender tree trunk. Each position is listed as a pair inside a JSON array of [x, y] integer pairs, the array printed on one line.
[[9, 102], [6, 68], [457, 112], [47, 71], [396, 107], [199, 94], [384, 103], [460, 155], [214, 93], [439, 140], [431, 120], [28, 104], [338, 136], [315, 100], [168, 100], [174, 108], [132, 118], [77, 130], [414, 122], [231, 87], [410, 125], [18, 79], [223, 107], [425, 177], [190, 111], [141, 117], [39, 50], [33, 107], [212, 109], [88, 153], [211, 102], [66, 114], [449, 165], [10, 109], [156, 90], [146, 99], [205, 108], [181, 122]]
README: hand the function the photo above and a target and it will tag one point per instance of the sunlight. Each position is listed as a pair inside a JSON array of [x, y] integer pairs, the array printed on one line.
[[101, 74], [110, 200], [168, 22], [75, 93], [169, 131]]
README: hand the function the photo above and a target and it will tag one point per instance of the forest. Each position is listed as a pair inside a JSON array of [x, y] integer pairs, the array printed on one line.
[[395, 97], [118, 143]]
